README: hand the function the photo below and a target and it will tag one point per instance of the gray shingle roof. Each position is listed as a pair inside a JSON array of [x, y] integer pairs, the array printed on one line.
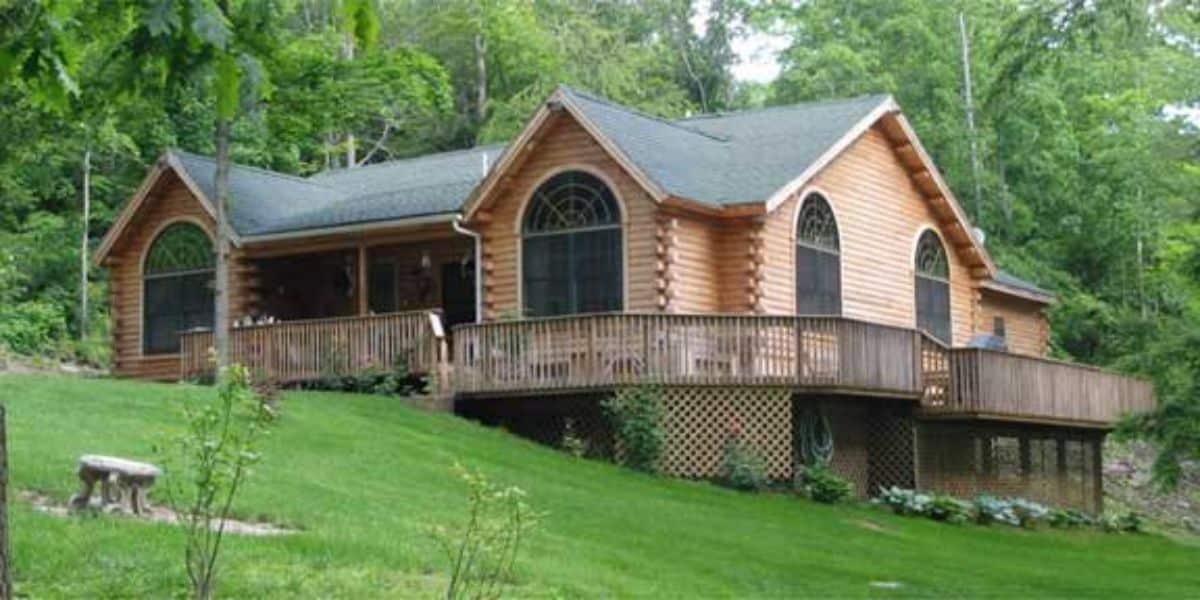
[[719, 159], [264, 202], [1010, 280], [730, 158], [259, 199]]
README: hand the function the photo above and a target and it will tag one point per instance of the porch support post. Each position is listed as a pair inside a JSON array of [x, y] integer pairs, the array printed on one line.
[[362, 280]]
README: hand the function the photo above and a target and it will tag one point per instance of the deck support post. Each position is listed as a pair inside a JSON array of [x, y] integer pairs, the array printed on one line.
[[363, 296]]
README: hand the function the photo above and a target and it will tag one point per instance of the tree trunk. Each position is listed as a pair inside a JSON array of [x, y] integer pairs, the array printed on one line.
[[969, 102], [221, 189], [83, 245], [351, 150], [481, 87], [5, 548]]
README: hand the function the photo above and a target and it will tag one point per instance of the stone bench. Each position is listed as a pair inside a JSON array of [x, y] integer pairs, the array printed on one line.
[[116, 477]]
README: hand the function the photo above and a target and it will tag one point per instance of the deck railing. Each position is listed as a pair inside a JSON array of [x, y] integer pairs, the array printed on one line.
[[614, 349], [310, 349], [818, 353], [999, 384]]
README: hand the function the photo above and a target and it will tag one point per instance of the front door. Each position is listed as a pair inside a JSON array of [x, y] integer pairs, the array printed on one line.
[[458, 293]]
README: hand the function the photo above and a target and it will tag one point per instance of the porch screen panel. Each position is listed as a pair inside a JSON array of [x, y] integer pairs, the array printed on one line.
[[382, 283], [177, 292], [571, 259], [933, 287], [818, 259]]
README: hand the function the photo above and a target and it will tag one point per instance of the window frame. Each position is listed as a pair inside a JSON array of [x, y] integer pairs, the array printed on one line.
[[834, 250], [572, 236], [150, 280], [934, 279]]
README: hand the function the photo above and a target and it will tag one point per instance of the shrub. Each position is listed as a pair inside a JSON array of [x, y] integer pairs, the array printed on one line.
[[207, 467], [905, 502], [743, 466], [572, 442], [396, 381], [1028, 512], [823, 485], [33, 327], [949, 509], [636, 415], [990, 509], [482, 551], [1069, 519], [1126, 522]]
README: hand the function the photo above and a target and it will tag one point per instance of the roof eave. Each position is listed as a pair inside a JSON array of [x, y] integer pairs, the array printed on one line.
[[294, 234], [1025, 294]]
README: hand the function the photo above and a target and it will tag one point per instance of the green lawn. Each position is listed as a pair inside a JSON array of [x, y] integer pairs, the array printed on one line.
[[363, 477]]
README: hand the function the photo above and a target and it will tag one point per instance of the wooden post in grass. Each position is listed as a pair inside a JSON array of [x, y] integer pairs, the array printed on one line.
[[5, 555]]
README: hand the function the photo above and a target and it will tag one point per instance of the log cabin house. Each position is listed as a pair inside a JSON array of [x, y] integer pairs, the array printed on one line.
[[773, 272]]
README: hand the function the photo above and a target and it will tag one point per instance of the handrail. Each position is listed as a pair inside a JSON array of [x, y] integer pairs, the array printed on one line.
[[313, 348], [828, 353], [990, 383], [621, 348]]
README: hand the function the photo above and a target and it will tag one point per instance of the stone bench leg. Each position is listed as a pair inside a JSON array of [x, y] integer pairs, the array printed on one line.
[[137, 498], [80, 500]]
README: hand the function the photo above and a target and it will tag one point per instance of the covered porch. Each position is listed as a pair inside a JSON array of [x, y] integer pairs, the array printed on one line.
[[342, 304]]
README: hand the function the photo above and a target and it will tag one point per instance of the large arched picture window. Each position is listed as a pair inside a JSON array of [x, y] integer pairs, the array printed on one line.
[[933, 286], [818, 259], [177, 287], [571, 247]]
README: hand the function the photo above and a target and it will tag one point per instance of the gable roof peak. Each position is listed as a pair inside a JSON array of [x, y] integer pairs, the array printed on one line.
[[575, 94]]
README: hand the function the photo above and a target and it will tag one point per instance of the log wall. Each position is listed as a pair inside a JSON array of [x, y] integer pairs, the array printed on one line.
[[168, 202]]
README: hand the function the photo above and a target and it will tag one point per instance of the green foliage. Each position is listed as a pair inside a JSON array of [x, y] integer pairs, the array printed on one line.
[[743, 466], [572, 442], [395, 381], [636, 416], [207, 466], [482, 550], [820, 483], [1069, 519], [33, 327], [1126, 522]]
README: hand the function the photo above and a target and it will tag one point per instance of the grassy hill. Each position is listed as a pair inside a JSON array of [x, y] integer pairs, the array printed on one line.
[[363, 477]]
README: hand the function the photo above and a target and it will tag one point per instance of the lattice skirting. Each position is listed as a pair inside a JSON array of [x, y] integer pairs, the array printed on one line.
[[1054, 465], [699, 422], [873, 439]]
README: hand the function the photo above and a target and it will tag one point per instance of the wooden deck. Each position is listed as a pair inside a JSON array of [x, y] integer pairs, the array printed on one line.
[[998, 385], [620, 349], [815, 354], [310, 349], [818, 354]]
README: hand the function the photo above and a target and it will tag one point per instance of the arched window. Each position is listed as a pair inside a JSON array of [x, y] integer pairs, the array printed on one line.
[[933, 286], [177, 287], [818, 259], [571, 255]]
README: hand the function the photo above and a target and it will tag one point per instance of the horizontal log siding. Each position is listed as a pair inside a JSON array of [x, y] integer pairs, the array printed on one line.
[[169, 201], [693, 268], [735, 267], [566, 143], [879, 213], [1028, 331]]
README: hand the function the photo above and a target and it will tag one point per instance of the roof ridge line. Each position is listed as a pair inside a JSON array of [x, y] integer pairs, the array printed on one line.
[[638, 113], [261, 170], [732, 113], [386, 163]]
